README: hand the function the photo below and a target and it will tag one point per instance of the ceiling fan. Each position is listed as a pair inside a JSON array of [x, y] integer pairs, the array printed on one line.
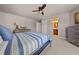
[[40, 9]]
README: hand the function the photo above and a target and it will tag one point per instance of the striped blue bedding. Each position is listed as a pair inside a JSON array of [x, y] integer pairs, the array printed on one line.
[[24, 43]]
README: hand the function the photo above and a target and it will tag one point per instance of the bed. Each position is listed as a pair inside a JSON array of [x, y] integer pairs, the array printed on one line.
[[23, 43]]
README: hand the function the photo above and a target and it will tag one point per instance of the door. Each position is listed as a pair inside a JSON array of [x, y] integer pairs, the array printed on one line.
[[55, 26]]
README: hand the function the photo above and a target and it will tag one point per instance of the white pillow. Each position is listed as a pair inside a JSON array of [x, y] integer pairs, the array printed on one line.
[[1, 40]]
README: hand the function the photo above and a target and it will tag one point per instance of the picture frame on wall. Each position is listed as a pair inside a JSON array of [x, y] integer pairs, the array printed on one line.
[[77, 18]]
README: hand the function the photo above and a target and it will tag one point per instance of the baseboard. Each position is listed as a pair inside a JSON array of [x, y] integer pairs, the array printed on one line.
[[62, 38]]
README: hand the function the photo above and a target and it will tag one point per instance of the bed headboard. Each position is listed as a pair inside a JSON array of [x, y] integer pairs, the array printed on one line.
[[21, 30]]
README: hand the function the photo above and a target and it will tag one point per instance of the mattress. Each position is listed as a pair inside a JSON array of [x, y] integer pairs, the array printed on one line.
[[24, 43]]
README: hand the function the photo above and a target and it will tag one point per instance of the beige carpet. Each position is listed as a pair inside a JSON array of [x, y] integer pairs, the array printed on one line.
[[61, 47]]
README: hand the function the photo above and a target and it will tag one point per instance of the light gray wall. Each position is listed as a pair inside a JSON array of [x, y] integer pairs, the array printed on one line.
[[72, 20], [64, 19], [8, 20]]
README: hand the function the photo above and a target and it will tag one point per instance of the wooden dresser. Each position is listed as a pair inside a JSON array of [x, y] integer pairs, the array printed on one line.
[[72, 34]]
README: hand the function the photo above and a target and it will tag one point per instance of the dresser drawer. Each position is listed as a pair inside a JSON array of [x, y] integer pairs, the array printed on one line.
[[76, 33], [73, 40], [73, 36], [76, 28], [73, 32], [76, 43]]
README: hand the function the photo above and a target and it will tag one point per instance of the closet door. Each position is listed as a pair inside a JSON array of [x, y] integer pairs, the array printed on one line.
[[38, 27], [45, 27]]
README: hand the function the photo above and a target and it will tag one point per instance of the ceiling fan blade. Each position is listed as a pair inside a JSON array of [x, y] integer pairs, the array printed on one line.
[[35, 10], [44, 5]]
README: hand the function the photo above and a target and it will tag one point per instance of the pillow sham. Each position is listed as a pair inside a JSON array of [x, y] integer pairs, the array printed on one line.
[[5, 33]]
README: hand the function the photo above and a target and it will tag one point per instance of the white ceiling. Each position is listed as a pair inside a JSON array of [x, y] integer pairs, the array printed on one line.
[[26, 9]]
